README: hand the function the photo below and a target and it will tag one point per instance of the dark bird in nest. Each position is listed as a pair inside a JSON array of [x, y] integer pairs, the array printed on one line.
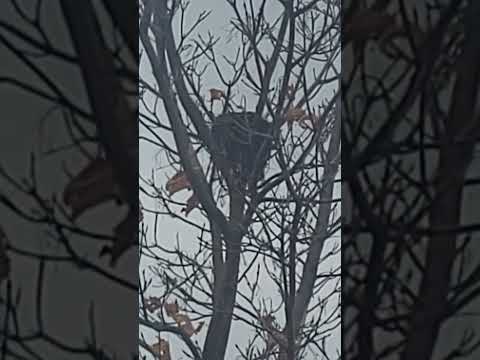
[[244, 141]]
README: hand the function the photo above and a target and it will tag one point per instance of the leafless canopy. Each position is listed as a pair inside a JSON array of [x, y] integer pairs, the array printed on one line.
[[409, 129]]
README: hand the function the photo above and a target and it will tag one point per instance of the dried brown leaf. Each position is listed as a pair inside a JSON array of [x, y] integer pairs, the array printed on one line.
[[153, 303], [171, 309], [177, 183], [184, 323], [216, 94], [94, 185], [294, 114], [192, 203], [161, 349]]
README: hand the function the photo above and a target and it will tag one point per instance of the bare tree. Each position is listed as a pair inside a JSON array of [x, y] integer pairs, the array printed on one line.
[[410, 126], [89, 120], [248, 122]]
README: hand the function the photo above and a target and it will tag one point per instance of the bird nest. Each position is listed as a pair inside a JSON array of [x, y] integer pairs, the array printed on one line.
[[243, 139]]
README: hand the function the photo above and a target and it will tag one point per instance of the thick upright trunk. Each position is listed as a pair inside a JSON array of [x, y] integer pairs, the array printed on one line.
[[455, 157], [224, 297]]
